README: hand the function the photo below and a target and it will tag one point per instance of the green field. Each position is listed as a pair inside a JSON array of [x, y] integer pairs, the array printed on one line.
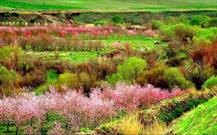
[[108, 5], [136, 43], [201, 120], [75, 57]]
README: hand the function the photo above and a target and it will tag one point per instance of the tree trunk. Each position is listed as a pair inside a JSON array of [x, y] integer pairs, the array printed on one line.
[[17, 130], [31, 122], [8, 127]]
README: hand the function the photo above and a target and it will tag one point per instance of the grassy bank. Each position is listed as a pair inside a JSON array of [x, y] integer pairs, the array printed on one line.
[[201, 120]]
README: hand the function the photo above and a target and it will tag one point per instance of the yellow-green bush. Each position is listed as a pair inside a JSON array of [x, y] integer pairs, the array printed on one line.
[[129, 70], [181, 33], [8, 80], [10, 56], [211, 82], [68, 79], [175, 78]]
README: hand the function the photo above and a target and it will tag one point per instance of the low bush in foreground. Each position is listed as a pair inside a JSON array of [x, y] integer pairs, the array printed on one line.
[[131, 124]]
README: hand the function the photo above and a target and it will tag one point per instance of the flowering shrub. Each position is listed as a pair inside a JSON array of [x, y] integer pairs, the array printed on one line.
[[132, 96], [150, 33], [88, 111], [61, 37], [79, 110]]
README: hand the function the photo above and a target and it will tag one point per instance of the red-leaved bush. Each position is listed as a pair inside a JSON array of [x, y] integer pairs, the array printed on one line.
[[205, 54]]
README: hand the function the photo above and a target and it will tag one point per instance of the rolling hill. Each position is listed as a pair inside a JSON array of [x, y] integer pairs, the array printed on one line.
[[109, 5]]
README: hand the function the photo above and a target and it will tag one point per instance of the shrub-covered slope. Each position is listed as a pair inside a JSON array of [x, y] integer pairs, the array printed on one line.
[[201, 120]]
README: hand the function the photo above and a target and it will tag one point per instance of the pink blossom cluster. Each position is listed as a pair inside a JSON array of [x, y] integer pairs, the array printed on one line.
[[150, 33], [20, 109], [72, 104], [51, 37], [65, 37], [60, 30], [70, 30], [80, 110], [131, 97], [94, 31]]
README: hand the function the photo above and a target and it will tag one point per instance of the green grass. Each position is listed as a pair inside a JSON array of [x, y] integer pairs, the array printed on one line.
[[51, 78], [74, 57], [12, 129], [201, 120], [137, 43], [108, 5]]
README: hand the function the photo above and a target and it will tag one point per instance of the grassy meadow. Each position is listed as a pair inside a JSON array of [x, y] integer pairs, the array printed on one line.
[[109, 5]]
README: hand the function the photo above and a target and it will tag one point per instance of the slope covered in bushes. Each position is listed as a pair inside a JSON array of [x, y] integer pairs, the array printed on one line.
[[201, 120], [156, 118]]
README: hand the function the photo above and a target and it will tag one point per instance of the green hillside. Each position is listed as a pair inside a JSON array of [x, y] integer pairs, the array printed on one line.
[[108, 5], [201, 120]]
